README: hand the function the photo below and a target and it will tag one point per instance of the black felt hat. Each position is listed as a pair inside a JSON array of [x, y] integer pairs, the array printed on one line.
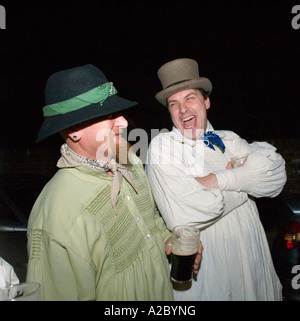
[[78, 94]]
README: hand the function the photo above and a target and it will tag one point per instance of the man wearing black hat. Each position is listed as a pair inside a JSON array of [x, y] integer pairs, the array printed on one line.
[[94, 231], [195, 181]]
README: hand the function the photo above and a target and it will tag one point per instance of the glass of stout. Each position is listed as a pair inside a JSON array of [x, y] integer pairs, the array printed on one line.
[[184, 244]]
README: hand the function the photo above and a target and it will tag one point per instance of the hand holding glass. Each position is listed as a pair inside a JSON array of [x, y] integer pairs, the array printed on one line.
[[21, 292], [185, 243]]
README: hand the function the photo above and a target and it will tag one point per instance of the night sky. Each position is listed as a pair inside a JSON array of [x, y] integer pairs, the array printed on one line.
[[249, 51]]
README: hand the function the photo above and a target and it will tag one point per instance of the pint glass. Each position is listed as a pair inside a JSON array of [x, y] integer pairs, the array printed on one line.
[[184, 244], [21, 292], [239, 160]]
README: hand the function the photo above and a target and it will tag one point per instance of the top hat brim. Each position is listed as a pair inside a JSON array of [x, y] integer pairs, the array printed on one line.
[[200, 83], [57, 123]]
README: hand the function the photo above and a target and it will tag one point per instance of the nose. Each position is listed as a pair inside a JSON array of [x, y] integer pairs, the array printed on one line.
[[121, 122], [182, 108]]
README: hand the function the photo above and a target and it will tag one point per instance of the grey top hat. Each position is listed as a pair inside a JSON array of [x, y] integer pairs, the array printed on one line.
[[178, 75]]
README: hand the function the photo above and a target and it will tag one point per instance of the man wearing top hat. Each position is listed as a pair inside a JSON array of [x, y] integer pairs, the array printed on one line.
[[94, 232], [194, 182]]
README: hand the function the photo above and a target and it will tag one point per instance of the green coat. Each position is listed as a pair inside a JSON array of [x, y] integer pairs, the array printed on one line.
[[80, 249]]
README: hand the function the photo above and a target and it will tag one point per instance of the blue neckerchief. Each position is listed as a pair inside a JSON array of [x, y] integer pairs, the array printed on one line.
[[210, 139]]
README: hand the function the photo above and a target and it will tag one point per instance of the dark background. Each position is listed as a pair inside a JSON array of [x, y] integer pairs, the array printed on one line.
[[248, 50]]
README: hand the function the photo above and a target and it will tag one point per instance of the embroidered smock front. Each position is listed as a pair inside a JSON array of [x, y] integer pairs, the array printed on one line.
[[80, 249], [236, 262]]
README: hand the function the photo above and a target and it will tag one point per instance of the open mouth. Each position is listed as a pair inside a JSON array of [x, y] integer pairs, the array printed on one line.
[[189, 122]]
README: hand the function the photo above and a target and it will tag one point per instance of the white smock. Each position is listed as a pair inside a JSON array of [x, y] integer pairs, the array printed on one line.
[[236, 262], [7, 274]]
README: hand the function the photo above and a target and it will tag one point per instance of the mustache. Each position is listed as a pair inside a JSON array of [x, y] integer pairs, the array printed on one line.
[[123, 151], [119, 148], [119, 131]]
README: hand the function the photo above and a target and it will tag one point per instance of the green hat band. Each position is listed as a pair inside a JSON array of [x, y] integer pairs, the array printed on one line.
[[93, 96]]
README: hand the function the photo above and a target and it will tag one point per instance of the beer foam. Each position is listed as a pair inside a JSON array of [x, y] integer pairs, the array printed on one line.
[[185, 240], [184, 247], [184, 252], [184, 231]]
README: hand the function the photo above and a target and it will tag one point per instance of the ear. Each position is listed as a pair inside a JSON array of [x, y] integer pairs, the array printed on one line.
[[75, 136], [207, 103]]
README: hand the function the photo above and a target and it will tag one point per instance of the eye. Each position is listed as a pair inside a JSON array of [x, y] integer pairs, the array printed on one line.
[[172, 105], [190, 98], [113, 115]]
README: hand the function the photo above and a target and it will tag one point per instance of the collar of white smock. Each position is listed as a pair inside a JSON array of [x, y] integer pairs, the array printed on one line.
[[177, 136]]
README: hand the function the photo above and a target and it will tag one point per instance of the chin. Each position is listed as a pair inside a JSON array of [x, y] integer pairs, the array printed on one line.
[[192, 133]]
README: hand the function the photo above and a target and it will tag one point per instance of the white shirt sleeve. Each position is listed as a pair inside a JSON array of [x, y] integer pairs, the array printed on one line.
[[262, 175], [7, 274], [180, 198]]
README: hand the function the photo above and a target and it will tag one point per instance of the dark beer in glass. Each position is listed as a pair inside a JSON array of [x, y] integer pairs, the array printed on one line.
[[184, 245]]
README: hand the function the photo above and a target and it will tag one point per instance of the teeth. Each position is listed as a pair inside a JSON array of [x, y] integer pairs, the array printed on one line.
[[188, 118]]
